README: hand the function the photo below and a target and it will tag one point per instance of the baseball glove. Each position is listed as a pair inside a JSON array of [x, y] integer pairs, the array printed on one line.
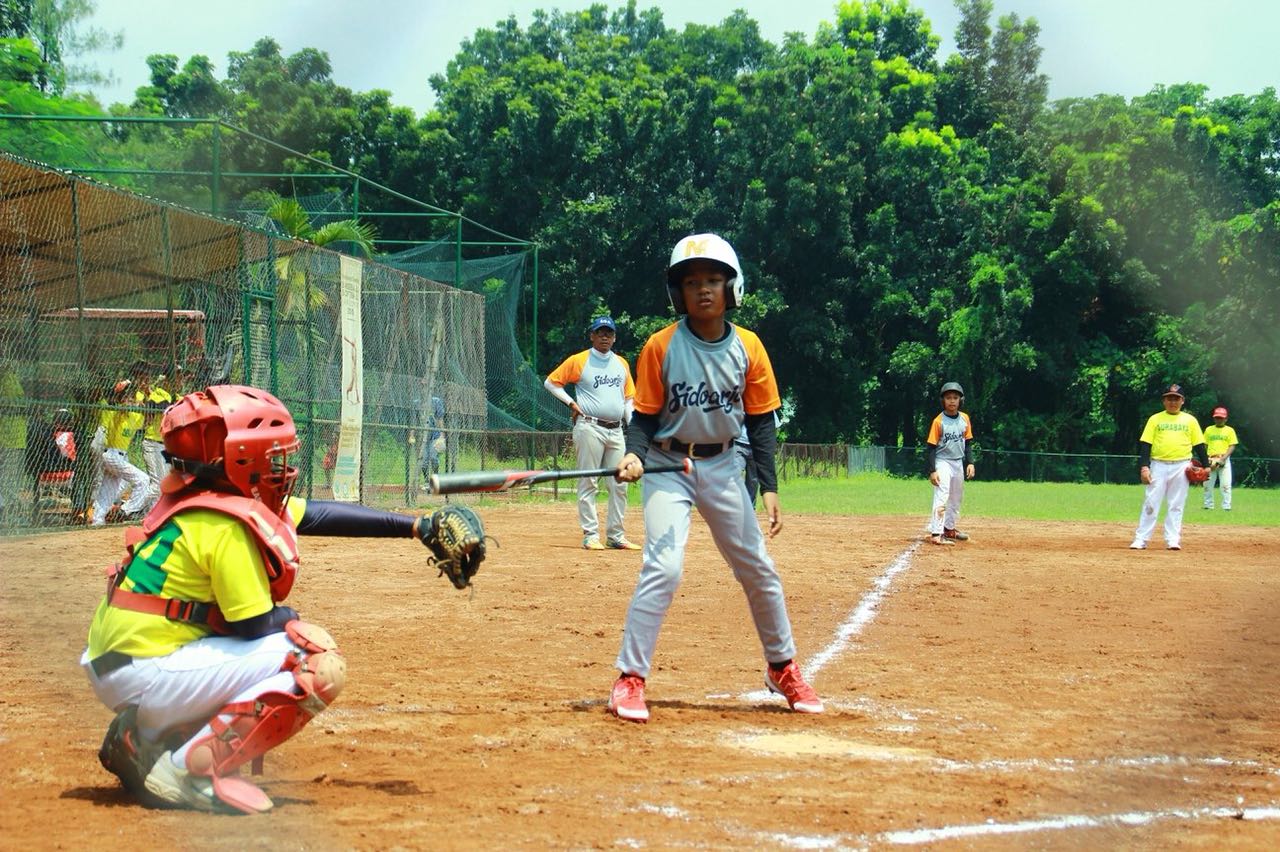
[[455, 536], [1196, 472]]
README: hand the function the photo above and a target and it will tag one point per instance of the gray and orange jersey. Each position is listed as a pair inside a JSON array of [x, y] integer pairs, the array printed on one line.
[[603, 382], [948, 434], [701, 391]]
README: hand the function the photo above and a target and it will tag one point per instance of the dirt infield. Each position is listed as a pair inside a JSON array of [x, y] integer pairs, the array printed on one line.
[[1040, 685]]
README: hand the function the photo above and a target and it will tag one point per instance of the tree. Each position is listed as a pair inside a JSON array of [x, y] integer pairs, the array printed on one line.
[[57, 28]]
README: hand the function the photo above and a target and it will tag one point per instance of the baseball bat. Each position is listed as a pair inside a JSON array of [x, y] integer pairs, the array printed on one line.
[[502, 480]]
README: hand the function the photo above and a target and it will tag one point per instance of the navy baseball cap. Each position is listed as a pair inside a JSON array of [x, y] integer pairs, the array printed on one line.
[[1174, 389], [602, 322]]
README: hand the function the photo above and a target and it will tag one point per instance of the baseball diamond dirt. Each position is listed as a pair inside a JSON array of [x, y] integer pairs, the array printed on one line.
[[1040, 685]]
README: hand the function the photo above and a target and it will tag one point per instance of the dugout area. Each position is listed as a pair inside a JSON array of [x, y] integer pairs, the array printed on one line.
[[1041, 686]]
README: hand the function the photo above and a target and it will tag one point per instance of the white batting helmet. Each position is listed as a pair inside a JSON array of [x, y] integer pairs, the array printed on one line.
[[705, 247]]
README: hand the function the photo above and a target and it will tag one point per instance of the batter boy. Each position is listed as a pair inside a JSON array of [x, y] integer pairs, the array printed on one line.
[[698, 380]]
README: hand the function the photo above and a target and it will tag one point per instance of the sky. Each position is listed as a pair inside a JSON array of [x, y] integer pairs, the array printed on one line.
[[1090, 46]]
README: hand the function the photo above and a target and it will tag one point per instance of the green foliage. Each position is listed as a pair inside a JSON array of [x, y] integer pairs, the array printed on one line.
[[901, 221]]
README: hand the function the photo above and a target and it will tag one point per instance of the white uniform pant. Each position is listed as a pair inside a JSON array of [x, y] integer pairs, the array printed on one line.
[[116, 473], [157, 468], [947, 495], [599, 447], [1168, 483], [196, 681], [715, 486], [1222, 476]]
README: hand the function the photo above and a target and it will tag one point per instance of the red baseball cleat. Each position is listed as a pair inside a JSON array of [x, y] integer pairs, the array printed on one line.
[[791, 685], [626, 701]]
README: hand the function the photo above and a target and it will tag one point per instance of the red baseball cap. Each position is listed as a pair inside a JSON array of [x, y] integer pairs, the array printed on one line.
[[1220, 411]]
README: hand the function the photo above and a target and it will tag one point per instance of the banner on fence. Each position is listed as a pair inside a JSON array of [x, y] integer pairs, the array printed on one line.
[[346, 468]]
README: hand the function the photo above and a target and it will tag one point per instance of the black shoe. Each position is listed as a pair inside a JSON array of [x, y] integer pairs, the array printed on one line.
[[127, 756]]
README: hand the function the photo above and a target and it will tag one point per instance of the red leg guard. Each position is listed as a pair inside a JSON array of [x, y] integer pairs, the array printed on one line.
[[257, 726]]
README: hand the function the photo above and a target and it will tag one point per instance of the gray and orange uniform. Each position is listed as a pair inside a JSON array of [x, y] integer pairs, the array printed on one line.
[[948, 454], [605, 389], [692, 398]]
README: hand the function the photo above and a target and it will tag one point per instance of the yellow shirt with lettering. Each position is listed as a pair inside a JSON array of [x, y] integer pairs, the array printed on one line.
[[1219, 438], [1172, 436]]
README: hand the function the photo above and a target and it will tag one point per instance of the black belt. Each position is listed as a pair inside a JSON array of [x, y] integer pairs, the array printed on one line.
[[693, 451], [109, 662], [608, 424]]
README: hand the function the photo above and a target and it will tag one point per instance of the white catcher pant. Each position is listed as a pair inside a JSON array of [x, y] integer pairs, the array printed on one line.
[[157, 468], [1168, 482], [1223, 477], [947, 495], [194, 682], [116, 472], [717, 489], [600, 447]]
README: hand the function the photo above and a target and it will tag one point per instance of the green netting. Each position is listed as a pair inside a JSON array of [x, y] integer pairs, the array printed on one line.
[[97, 284], [517, 399]]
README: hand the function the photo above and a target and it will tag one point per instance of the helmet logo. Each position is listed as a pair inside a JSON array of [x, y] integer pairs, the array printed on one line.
[[695, 248]]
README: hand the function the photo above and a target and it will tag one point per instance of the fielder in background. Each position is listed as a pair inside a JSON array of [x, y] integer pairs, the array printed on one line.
[[433, 445], [119, 425], [154, 398], [605, 393], [699, 380], [949, 463], [192, 647], [1169, 440], [1220, 441]]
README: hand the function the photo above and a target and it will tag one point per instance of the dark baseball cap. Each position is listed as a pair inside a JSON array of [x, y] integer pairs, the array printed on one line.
[[602, 322], [1174, 389]]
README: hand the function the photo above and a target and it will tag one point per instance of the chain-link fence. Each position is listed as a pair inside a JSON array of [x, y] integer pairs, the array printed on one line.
[[99, 286]]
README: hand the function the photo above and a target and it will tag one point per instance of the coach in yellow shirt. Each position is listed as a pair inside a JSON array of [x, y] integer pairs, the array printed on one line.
[[1169, 440], [1221, 441]]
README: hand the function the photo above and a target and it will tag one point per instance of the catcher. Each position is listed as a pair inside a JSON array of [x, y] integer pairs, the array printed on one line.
[[193, 647]]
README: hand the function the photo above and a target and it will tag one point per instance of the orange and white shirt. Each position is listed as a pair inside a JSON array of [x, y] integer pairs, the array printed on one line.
[[949, 434], [702, 390], [603, 382]]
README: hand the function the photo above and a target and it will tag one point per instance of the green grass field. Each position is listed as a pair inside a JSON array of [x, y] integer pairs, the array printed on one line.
[[880, 494]]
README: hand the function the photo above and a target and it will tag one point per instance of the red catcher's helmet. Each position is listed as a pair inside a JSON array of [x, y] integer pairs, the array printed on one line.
[[244, 434]]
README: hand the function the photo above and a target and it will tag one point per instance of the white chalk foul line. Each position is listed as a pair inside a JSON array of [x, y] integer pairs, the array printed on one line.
[[861, 616], [863, 613], [1131, 818]]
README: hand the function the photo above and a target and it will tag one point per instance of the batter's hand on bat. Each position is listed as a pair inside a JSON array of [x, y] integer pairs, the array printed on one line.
[[630, 468], [773, 511]]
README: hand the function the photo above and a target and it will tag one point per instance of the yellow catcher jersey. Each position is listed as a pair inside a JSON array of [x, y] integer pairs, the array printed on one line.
[[199, 555], [1218, 438], [1172, 436]]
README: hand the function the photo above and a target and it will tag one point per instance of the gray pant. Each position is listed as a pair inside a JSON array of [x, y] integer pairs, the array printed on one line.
[[12, 474], [599, 447], [715, 487]]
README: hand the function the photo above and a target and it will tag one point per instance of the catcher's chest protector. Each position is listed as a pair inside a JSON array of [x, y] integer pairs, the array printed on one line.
[[276, 536]]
